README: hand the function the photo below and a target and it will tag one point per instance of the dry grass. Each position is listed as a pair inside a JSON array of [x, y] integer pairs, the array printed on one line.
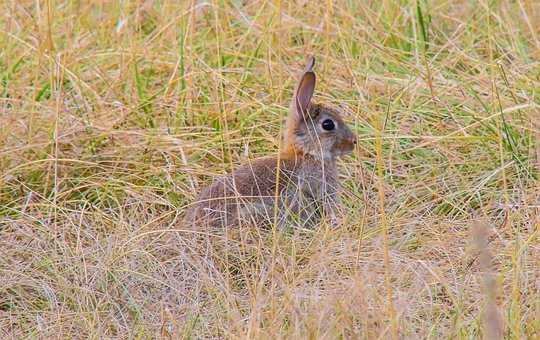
[[113, 114]]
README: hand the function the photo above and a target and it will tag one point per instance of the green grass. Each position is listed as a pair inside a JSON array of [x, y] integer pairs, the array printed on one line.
[[114, 114]]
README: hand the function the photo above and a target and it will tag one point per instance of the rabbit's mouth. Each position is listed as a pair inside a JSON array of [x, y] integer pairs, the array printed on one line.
[[345, 148]]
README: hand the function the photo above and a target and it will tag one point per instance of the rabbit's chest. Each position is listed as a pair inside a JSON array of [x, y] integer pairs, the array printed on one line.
[[317, 183], [308, 196], [310, 190]]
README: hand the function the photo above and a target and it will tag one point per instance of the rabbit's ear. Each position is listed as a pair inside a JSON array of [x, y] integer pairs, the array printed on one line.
[[309, 65], [305, 89]]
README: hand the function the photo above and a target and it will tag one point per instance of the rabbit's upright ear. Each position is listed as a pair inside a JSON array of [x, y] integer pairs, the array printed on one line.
[[304, 90]]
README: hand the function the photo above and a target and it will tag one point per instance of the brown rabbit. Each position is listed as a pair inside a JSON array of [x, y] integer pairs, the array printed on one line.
[[297, 187]]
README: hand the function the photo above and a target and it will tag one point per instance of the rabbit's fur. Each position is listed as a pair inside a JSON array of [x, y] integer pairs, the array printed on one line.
[[297, 187]]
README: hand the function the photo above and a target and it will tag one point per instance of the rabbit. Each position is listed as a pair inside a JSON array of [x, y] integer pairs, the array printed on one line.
[[298, 187]]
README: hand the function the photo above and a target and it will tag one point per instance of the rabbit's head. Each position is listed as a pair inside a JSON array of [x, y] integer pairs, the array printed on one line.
[[315, 129]]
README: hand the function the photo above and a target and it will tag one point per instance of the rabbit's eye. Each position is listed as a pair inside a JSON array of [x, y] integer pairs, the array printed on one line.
[[328, 125]]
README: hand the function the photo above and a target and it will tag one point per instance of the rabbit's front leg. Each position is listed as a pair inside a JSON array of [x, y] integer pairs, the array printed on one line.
[[333, 211]]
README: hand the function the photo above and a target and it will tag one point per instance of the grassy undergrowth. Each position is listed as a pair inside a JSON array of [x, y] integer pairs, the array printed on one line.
[[114, 114]]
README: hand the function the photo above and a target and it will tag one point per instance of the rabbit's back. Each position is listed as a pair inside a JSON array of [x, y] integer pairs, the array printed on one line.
[[248, 195]]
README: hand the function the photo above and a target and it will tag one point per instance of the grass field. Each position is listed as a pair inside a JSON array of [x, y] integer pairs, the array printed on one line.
[[114, 114]]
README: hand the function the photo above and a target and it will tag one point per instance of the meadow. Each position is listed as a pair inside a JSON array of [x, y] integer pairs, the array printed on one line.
[[114, 114]]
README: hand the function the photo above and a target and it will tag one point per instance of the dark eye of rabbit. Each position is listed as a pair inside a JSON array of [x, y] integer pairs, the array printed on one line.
[[328, 125]]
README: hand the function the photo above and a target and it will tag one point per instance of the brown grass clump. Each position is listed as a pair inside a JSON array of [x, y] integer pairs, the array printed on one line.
[[114, 114]]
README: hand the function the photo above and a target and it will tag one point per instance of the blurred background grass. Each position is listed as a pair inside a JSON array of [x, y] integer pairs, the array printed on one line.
[[114, 114]]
